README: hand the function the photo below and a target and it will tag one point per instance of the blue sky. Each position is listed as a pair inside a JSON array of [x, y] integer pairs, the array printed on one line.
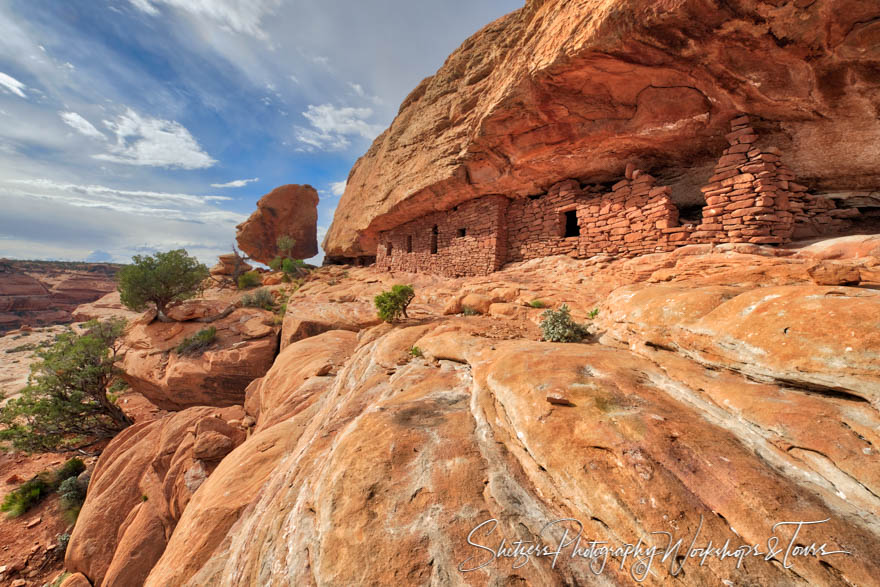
[[129, 126]]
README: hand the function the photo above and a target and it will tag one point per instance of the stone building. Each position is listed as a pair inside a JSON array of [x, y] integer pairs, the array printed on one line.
[[751, 198]]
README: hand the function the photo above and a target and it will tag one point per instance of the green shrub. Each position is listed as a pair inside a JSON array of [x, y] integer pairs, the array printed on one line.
[[198, 342], [249, 279], [558, 326], [71, 468], [391, 304], [468, 311], [293, 266], [261, 298], [285, 244], [72, 494], [275, 264], [160, 279], [416, 352], [68, 393], [537, 304], [29, 494]]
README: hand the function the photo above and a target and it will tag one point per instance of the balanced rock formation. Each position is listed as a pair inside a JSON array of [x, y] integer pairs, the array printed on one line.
[[290, 210], [577, 89]]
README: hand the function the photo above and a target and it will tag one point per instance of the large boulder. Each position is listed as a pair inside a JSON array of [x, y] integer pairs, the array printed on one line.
[[569, 89], [287, 210], [140, 487], [244, 348]]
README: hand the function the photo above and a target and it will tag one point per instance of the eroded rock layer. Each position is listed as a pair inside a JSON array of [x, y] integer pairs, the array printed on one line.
[[579, 88]]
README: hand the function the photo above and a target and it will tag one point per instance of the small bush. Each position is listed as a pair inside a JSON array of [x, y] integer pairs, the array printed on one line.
[[416, 352], [537, 304], [261, 298], [275, 264], [558, 326], [198, 342], [72, 493], [29, 494], [392, 304], [293, 266], [285, 244], [249, 279], [71, 468], [468, 311]]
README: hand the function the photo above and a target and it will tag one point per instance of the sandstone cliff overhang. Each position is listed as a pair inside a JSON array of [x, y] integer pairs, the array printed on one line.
[[577, 89]]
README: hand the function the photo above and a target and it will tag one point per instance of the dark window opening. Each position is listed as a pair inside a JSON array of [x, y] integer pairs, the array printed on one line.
[[409, 244], [690, 214], [572, 228], [388, 249], [434, 233], [537, 197], [462, 232]]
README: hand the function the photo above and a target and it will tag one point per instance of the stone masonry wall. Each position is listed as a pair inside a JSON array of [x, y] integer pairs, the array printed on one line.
[[536, 225], [751, 197], [481, 250], [637, 217], [747, 200]]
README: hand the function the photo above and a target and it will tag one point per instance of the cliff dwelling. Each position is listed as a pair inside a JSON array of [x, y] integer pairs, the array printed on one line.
[[752, 197]]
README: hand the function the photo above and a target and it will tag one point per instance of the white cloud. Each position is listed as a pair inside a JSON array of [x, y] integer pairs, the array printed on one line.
[[240, 16], [235, 184], [81, 125], [145, 203], [145, 6], [337, 188], [12, 85], [49, 219], [331, 127], [154, 142]]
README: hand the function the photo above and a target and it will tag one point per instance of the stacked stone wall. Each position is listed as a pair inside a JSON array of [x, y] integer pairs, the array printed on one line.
[[481, 249], [636, 217], [751, 197], [536, 225], [747, 199]]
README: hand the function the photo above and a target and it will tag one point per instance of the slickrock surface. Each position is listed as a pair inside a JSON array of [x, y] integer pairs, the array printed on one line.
[[290, 210], [142, 483], [723, 392], [580, 88]]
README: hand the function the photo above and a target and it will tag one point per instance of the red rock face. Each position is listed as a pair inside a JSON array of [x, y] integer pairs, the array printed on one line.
[[287, 210], [141, 484], [577, 89]]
